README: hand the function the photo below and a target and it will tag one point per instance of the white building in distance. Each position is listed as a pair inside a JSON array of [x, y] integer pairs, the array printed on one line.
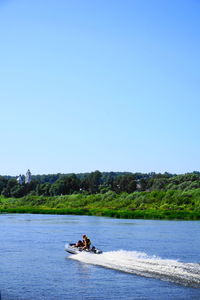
[[20, 179], [28, 177]]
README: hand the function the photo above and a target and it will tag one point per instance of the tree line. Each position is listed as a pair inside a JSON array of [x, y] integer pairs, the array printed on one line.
[[97, 182]]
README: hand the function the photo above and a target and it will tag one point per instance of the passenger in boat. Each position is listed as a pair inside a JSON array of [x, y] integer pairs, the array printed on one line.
[[79, 244], [86, 242]]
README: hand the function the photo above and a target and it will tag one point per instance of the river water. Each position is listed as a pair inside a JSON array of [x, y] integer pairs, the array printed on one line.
[[142, 259]]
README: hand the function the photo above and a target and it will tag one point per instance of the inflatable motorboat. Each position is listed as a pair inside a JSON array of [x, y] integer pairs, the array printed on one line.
[[71, 248]]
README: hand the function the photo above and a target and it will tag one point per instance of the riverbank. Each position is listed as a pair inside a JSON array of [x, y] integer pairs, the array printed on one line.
[[171, 204], [137, 214]]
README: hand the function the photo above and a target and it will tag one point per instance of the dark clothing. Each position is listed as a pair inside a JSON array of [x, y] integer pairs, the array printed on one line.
[[87, 242], [79, 244]]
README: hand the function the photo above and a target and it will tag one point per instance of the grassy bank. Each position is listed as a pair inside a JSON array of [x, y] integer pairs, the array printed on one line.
[[138, 214], [144, 205]]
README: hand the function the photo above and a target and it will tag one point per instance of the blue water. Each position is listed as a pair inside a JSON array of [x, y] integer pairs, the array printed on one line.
[[142, 259]]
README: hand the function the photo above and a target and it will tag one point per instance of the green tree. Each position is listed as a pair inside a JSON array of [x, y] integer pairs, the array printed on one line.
[[58, 188], [94, 181], [17, 191], [72, 184], [5, 192], [11, 183], [125, 183], [43, 189], [3, 183]]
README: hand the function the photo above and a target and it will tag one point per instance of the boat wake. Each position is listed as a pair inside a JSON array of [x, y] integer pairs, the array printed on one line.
[[139, 263]]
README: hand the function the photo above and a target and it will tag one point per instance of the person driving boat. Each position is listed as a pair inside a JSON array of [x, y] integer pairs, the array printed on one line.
[[86, 242]]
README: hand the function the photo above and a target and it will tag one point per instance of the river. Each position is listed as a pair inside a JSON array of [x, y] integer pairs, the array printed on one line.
[[142, 259]]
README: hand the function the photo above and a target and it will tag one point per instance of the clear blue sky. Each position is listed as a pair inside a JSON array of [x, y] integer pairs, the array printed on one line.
[[105, 85]]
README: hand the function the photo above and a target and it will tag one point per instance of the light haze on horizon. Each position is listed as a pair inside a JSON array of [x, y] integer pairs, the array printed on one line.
[[99, 85]]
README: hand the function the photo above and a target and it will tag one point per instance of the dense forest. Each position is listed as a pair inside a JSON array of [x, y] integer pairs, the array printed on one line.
[[97, 182]]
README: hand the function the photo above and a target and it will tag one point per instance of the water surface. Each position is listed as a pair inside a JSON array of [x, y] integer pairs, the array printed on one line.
[[142, 259]]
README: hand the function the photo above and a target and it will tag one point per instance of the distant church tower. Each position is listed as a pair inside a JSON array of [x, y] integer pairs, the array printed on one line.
[[20, 179], [28, 177]]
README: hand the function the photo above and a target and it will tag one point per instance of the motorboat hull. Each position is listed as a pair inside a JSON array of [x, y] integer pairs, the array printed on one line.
[[72, 249]]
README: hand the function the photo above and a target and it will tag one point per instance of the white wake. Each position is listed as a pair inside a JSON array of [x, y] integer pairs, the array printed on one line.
[[141, 264]]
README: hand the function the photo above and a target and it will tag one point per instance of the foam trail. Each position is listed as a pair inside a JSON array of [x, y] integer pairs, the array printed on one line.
[[141, 264]]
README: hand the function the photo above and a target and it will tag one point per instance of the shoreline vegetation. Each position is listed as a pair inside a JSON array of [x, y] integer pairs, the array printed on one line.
[[161, 205], [111, 194]]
